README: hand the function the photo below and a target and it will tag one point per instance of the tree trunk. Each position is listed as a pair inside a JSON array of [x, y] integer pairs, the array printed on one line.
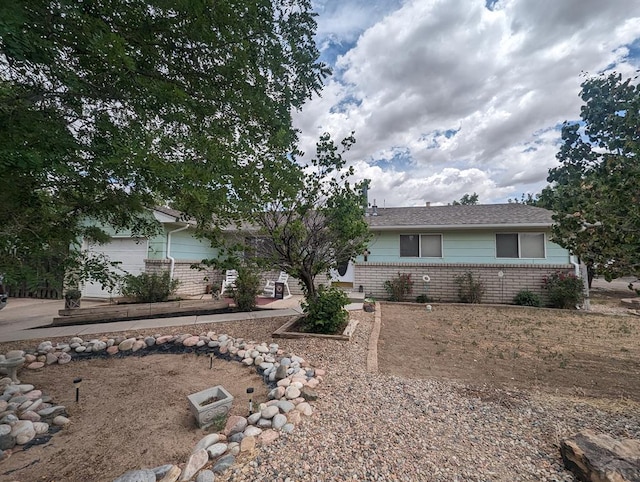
[[309, 285]]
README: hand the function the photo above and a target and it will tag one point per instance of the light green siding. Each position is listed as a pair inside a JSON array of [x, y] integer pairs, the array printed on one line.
[[459, 247], [184, 246]]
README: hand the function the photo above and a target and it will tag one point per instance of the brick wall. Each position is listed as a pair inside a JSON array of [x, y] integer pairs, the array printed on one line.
[[442, 287], [193, 282]]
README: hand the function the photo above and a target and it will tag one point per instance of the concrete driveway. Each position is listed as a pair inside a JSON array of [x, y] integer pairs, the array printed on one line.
[[30, 319]]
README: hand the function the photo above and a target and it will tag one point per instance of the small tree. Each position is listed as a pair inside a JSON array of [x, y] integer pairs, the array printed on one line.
[[315, 220], [467, 200]]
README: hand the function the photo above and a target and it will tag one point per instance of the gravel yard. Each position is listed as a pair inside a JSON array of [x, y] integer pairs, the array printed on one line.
[[382, 427]]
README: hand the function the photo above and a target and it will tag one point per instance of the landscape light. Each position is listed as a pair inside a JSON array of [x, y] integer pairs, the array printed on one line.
[[250, 391], [76, 383]]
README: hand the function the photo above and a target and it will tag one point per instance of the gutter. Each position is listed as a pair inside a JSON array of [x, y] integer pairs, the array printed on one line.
[[169, 257], [415, 227]]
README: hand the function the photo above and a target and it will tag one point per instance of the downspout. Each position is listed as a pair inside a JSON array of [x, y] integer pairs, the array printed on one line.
[[169, 257], [585, 281]]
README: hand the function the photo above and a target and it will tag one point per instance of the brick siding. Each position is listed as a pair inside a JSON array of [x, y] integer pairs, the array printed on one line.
[[442, 287]]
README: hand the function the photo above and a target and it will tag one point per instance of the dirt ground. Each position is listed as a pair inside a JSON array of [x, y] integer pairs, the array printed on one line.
[[566, 353], [133, 412]]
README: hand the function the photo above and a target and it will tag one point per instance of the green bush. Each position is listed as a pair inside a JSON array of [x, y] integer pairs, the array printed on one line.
[[565, 290], [527, 298], [326, 313], [399, 287], [470, 290], [423, 299], [246, 290], [150, 288]]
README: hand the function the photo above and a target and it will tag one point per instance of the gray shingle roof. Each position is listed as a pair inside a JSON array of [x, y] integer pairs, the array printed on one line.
[[452, 216]]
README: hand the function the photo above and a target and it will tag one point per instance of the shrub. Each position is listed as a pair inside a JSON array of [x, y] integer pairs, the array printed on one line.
[[325, 313], [423, 299], [527, 298], [470, 290], [246, 290], [150, 288], [565, 290], [399, 287]]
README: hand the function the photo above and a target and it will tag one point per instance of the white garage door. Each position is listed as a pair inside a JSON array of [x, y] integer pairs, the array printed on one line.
[[131, 252]]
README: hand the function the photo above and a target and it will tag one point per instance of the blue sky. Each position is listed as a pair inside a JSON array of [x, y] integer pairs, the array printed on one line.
[[448, 97]]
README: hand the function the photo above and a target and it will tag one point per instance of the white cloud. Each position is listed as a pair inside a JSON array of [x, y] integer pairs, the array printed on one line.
[[501, 79]]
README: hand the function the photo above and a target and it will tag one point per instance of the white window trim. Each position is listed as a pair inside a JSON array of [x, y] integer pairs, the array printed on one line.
[[544, 245], [420, 245]]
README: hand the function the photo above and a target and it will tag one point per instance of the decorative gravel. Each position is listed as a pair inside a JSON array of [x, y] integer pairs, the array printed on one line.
[[375, 427]]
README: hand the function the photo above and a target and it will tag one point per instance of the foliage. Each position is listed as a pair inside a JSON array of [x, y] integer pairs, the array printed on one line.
[[325, 312], [467, 200], [72, 294], [564, 290], [399, 287], [315, 219], [595, 192], [108, 107], [527, 298], [246, 290], [84, 266], [150, 288], [470, 290], [423, 299]]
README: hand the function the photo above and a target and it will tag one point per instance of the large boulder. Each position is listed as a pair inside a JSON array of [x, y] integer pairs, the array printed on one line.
[[596, 457]]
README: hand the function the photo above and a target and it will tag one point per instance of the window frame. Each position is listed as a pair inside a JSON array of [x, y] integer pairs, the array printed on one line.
[[518, 234], [420, 245]]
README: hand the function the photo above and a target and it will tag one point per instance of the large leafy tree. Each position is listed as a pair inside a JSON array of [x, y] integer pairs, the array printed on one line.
[[315, 220], [595, 192], [109, 106]]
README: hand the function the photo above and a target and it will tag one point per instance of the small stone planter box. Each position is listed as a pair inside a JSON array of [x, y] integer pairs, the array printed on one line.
[[206, 414]]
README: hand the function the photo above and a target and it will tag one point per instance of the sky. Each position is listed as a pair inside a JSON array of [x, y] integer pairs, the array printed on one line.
[[448, 97]]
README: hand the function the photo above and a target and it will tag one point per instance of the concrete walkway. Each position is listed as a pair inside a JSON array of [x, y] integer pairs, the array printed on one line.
[[29, 319]]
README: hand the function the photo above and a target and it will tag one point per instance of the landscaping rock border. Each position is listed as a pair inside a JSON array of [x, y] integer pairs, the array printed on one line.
[[25, 413]]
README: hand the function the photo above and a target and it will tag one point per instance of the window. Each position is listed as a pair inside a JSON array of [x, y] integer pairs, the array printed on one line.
[[421, 246], [520, 245]]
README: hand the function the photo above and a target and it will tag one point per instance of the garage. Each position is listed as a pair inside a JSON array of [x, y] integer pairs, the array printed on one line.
[[131, 252]]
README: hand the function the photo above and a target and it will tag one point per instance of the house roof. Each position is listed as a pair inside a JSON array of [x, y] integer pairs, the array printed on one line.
[[479, 216]]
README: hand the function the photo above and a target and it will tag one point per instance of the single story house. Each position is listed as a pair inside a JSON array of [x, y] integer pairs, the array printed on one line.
[[507, 246]]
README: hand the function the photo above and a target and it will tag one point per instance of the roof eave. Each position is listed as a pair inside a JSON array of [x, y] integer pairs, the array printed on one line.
[[450, 227]]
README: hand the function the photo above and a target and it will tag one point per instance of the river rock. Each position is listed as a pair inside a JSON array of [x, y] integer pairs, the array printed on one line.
[[279, 421], [224, 463], [40, 427], [60, 421], [216, 450], [161, 340], [191, 341], [205, 476], [35, 365], [150, 341], [51, 358], [308, 394], [112, 350], [235, 424], [292, 392], [23, 431], [127, 344], [196, 461], [599, 457], [206, 442], [63, 358], [7, 440], [248, 444], [138, 345], [269, 412], [170, 474], [276, 394]]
